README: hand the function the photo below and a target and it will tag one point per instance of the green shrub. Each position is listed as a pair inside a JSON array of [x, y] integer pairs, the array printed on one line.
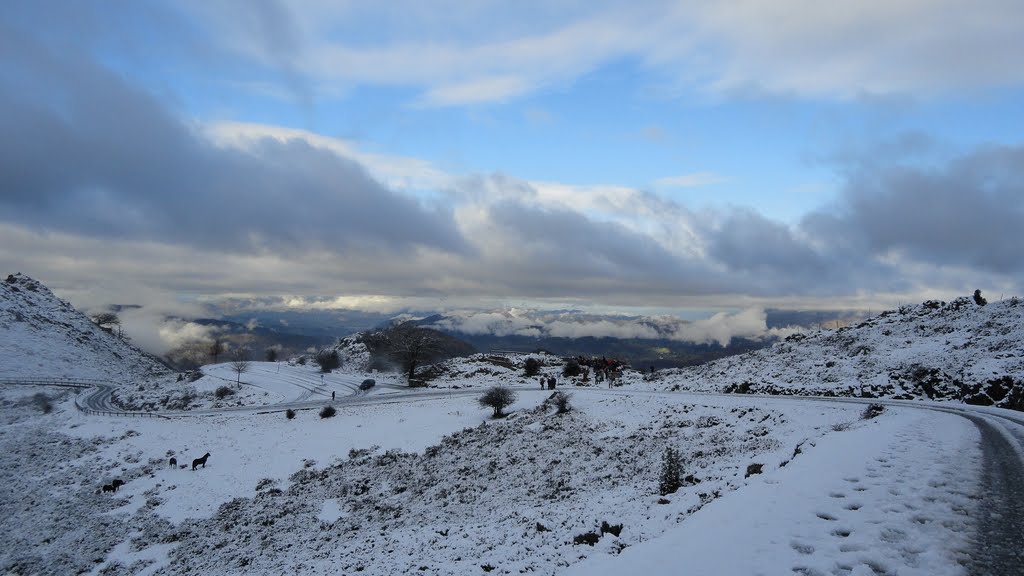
[[572, 368], [532, 367], [671, 477]]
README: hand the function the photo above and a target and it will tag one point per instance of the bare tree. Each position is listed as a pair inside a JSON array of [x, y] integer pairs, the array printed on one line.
[[216, 348], [412, 344], [240, 363], [497, 398]]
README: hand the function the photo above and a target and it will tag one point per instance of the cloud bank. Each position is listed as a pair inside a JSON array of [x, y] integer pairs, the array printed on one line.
[[719, 328]]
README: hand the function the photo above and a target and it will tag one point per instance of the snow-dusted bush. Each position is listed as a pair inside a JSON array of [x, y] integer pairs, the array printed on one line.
[[42, 401], [671, 477], [223, 392], [327, 412], [289, 413], [572, 368], [979, 299], [561, 402], [531, 367], [498, 398], [328, 360], [872, 410]]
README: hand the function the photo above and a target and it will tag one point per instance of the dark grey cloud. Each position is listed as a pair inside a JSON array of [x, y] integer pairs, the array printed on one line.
[[565, 253], [83, 151], [967, 212]]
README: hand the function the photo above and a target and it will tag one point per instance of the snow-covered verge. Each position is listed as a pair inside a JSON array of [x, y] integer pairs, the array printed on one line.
[[386, 488], [44, 336], [893, 496], [261, 384], [936, 350]]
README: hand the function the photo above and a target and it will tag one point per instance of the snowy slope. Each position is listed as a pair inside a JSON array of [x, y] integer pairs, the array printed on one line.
[[44, 336], [954, 350]]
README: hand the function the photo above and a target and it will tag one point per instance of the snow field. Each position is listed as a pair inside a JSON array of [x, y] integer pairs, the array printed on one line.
[[889, 496], [485, 488]]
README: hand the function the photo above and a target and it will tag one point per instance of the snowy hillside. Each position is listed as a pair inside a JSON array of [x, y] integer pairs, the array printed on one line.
[[44, 336], [956, 350]]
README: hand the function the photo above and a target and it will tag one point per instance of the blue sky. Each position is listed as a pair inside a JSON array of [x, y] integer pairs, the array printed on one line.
[[650, 155]]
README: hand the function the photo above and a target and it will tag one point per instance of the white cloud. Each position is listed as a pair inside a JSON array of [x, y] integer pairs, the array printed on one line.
[[720, 328], [395, 172], [460, 54], [693, 180]]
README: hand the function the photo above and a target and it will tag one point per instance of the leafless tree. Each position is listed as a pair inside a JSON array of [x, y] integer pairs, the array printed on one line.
[[240, 363], [411, 344]]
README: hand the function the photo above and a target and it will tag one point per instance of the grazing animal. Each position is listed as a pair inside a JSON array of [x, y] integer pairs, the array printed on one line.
[[198, 461], [109, 488], [174, 462], [117, 484]]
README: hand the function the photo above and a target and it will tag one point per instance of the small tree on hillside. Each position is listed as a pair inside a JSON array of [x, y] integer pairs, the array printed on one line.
[[979, 299], [671, 478], [240, 363], [411, 344], [498, 398], [106, 320], [271, 354], [572, 368], [532, 367], [328, 359]]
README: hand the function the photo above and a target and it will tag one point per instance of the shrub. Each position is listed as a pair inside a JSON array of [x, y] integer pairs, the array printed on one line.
[[289, 413], [871, 411], [42, 401], [572, 368], [561, 402], [589, 538], [328, 360], [979, 299], [223, 392], [497, 398], [327, 411], [271, 354], [671, 477], [613, 529], [532, 367]]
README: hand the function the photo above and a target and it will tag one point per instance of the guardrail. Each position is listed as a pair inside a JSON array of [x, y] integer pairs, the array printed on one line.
[[62, 382], [79, 384]]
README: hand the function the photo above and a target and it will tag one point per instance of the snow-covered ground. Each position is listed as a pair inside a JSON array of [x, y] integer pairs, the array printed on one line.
[[435, 486]]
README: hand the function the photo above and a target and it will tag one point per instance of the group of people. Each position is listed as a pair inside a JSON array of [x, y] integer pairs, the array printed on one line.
[[604, 369]]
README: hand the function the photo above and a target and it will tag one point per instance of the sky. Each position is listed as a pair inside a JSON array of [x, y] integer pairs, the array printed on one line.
[[633, 157]]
